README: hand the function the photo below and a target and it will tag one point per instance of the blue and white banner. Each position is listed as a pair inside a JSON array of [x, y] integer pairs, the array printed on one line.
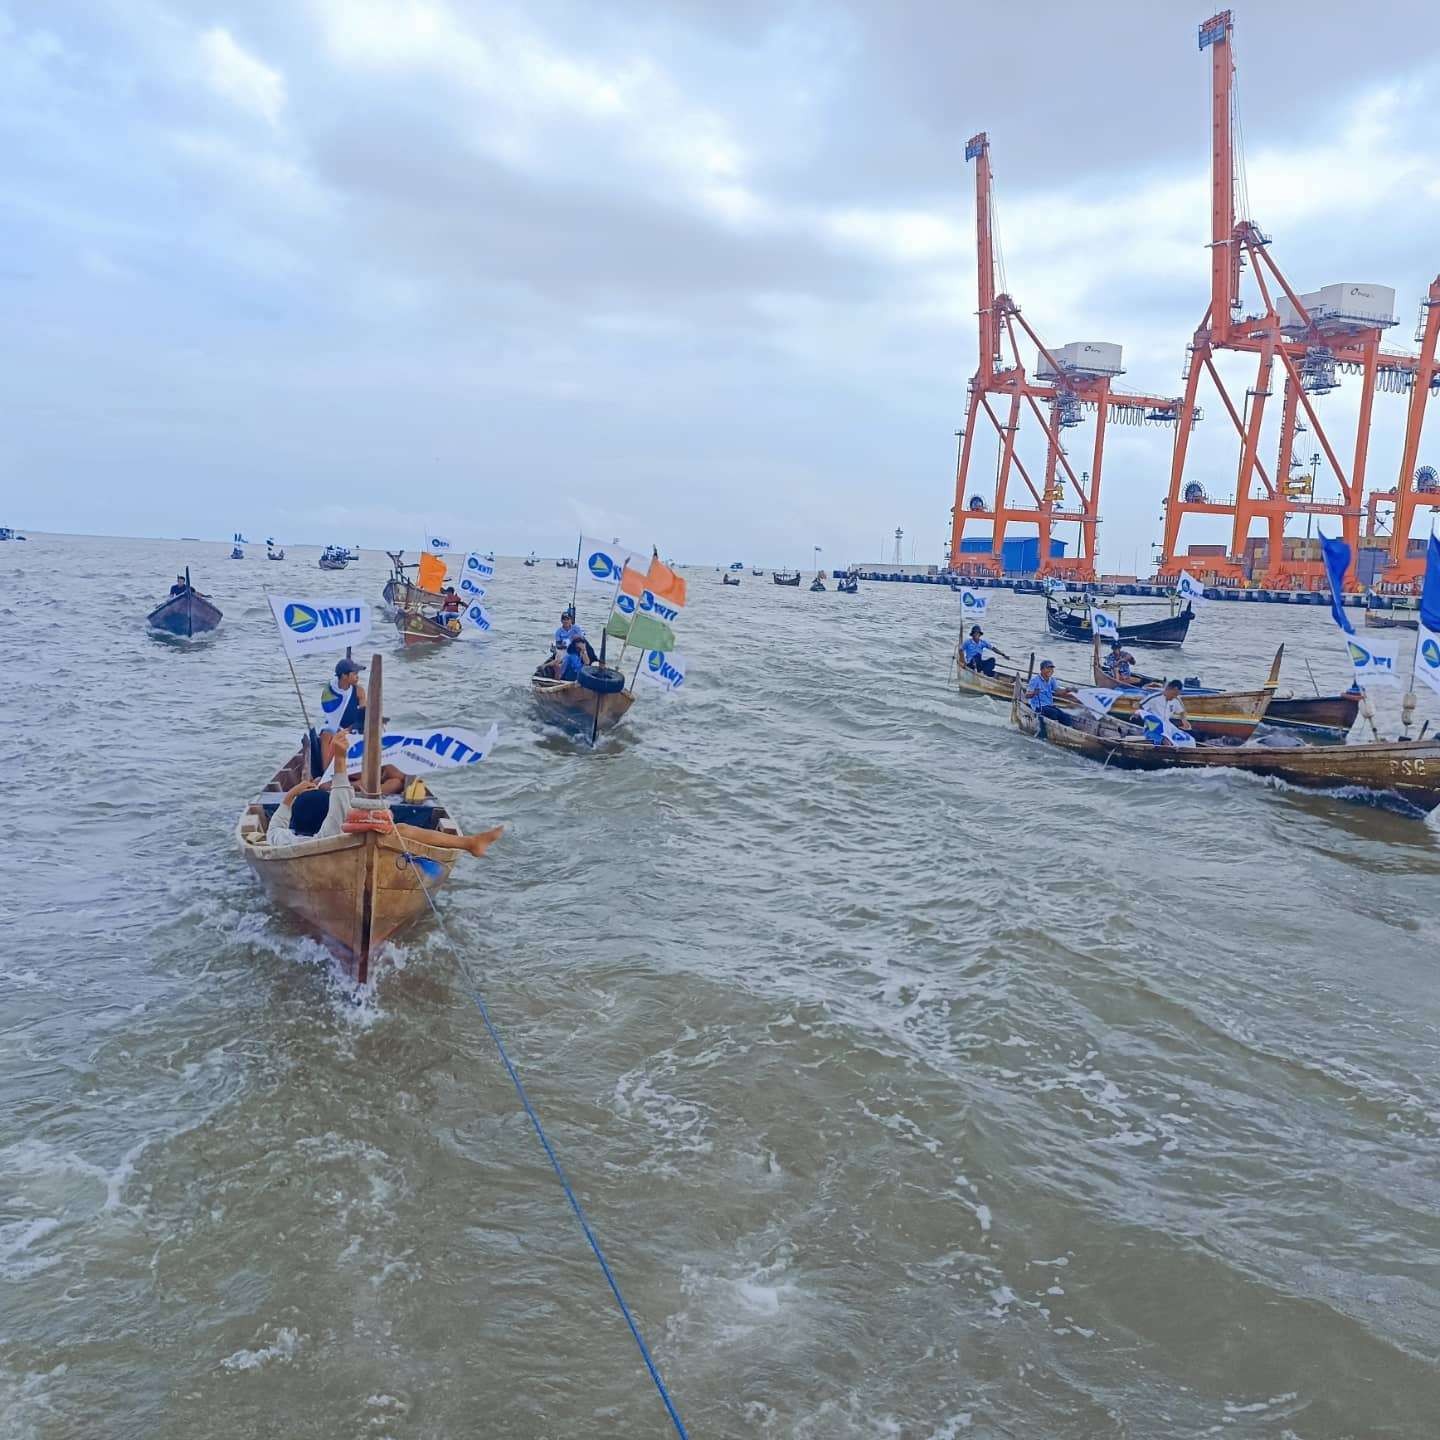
[[319, 627], [1100, 701], [436, 544], [475, 622], [973, 603], [333, 704], [1189, 588], [601, 564], [1373, 660], [472, 589], [1104, 624], [419, 752], [477, 567], [1337, 562], [1427, 657], [665, 668], [1159, 730], [650, 605]]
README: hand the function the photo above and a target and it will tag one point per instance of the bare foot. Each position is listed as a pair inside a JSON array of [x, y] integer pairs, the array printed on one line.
[[479, 844]]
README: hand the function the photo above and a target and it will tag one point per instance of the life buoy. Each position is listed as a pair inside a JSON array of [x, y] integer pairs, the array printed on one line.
[[358, 822], [603, 680]]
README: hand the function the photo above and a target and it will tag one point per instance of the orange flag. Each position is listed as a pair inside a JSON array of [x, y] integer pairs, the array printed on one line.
[[432, 573], [632, 582], [664, 584]]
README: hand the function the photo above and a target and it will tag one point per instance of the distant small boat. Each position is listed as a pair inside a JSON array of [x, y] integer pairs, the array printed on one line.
[[564, 563], [786, 577], [757, 573], [848, 585], [737, 564], [186, 614], [271, 553], [729, 579], [334, 557], [6, 533], [1070, 620], [1393, 612], [531, 560], [817, 585]]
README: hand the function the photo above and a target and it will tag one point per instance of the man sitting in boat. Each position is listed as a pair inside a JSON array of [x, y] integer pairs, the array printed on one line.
[[1117, 665], [309, 812], [179, 587], [1042, 692], [573, 660], [567, 631], [975, 648]]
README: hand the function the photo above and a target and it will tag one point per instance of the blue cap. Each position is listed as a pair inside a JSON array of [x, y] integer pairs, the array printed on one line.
[[347, 667]]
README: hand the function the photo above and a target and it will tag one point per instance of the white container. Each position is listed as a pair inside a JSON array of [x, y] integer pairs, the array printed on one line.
[[1338, 308], [1082, 357]]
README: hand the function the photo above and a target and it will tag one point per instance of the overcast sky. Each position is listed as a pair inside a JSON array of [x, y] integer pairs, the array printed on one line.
[[697, 272]]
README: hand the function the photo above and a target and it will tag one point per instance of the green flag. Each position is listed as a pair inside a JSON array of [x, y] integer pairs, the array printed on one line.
[[648, 633], [618, 626]]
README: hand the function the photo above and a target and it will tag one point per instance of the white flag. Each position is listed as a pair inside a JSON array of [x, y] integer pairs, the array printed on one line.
[[436, 544], [319, 627], [472, 589], [1427, 657], [1159, 729], [1373, 660], [1100, 701], [478, 568], [601, 564], [973, 603], [1189, 588], [475, 621], [665, 668], [418, 752], [1103, 623]]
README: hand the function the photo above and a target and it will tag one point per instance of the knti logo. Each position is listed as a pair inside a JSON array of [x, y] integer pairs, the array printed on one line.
[[303, 619], [478, 618], [1430, 654], [649, 605], [625, 604], [659, 666], [969, 599], [478, 566], [601, 566]]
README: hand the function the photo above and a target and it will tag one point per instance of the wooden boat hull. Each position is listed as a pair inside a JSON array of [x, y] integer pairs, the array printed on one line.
[[793, 581], [1391, 620], [417, 629], [1228, 715], [1410, 771], [1171, 630], [354, 892], [572, 706], [184, 615], [1314, 712]]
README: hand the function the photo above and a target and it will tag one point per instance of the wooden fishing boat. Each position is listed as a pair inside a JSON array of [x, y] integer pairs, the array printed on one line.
[[334, 557], [1409, 770], [787, 577], [186, 615], [757, 573], [274, 554], [597, 702], [1072, 622], [848, 585], [817, 585], [418, 628], [728, 579], [358, 889], [402, 592], [1213, 715]]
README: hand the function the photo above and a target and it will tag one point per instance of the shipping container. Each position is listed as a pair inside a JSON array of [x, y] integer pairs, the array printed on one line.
[[1020, 555], [1215, 552]]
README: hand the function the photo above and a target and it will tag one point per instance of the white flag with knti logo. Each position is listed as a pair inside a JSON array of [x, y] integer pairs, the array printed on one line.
[[420, 752], [602, 563], [1189, 588], [973, 603], [319, 627], [1104, 624], [665, 668], [1373, 660], [1427, 657], [436, 544]]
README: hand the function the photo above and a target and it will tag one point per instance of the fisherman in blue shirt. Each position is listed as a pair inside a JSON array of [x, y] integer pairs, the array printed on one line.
[[574, 660], [568, 630], [975, 648], [1042, 692]]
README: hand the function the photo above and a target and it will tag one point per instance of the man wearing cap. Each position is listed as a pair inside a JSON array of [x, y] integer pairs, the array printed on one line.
[[568, 630], [342, 701], [1042, 692], [975, 648]]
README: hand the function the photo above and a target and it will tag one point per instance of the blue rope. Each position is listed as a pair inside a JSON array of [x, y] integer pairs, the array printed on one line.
[[473, 990]]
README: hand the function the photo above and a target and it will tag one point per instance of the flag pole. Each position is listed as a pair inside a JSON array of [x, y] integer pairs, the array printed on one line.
[[575, 592], [295, 679]]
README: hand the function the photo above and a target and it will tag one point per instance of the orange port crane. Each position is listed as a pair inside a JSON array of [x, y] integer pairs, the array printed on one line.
[[1312, 339], [1068, 384]]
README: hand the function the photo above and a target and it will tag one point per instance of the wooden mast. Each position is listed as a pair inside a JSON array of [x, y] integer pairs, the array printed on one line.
[[370, 786]]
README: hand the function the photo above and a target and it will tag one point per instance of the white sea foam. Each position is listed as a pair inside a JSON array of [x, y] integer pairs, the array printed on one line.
[[281, 1350]]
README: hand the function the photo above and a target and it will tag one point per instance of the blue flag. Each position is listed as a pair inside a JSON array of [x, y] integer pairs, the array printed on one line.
[[1430, 595], [1337, 562]]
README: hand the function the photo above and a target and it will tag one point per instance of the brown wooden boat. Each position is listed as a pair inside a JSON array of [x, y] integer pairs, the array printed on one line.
[[1326, 715], [1221, 714], [1396, 612], [578, 707], [402, 592], [358, 889], [417, 628], [1407, 769]]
